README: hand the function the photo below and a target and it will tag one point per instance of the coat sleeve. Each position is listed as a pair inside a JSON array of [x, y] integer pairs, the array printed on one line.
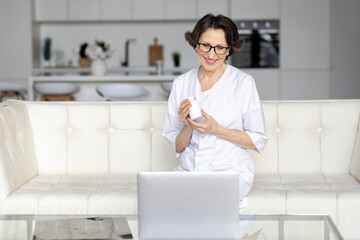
[[172, 124], [253, 116]]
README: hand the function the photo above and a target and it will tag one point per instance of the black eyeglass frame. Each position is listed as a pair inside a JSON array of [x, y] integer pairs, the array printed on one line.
[[226, 48]]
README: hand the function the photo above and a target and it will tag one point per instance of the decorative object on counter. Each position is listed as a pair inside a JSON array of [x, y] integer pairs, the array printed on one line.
[[176, 59], [98, 67], [98, 52], [11, 90], [56, 91], [59, 58], [84, 60], [159, 67], [155, 53], [122, 92], [47, 52]]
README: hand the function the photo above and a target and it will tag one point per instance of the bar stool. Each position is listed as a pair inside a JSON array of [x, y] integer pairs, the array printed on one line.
[[122, 92], [11, 90], [56, 91]]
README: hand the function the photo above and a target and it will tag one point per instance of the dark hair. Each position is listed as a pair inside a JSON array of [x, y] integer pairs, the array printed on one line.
[[216, 22]]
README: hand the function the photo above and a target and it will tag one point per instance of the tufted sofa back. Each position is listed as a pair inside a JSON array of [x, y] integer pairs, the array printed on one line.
[[310, 137], [126, 137], [100, 138]]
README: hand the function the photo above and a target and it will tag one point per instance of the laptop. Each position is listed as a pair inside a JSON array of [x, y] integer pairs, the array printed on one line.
[[188, 205]]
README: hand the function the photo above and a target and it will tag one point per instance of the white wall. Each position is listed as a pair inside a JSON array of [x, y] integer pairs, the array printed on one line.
[[344, 49], [170, 34]]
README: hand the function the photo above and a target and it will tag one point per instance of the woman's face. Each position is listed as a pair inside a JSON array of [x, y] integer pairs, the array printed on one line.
[[214, 38]]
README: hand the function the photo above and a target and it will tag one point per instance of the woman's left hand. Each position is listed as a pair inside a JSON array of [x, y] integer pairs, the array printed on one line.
[[210, 126]]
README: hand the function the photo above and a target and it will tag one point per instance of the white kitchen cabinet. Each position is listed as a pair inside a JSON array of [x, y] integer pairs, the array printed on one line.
[[185, 9], [304, 84], [304, 34], [267, 82], [116, 9], [149, 9], [213, 6], [255, 9], [51, 10], [15, 47], [84, 10]]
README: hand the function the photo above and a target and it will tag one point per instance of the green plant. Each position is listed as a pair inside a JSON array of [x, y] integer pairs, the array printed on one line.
[[176, 55], [176, 58], [47, 49]]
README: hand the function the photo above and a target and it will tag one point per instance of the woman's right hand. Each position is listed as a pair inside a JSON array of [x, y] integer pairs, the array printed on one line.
[[184, 111]]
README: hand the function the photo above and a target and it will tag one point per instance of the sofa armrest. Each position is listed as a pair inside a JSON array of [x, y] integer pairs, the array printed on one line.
[[355, 160], [17, 154]]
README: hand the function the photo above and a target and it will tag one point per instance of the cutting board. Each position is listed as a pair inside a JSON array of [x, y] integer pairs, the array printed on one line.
[[155, 53]]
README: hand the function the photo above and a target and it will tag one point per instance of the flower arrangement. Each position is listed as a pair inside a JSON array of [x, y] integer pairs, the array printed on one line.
[[98, 50]]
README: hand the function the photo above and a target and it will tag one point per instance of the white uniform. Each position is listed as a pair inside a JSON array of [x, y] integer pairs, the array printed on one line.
[[234, 103]]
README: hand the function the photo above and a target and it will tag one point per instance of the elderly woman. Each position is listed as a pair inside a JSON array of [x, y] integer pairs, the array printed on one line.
[[232, 119]]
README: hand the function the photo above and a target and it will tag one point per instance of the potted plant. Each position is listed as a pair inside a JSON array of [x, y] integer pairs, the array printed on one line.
[[176, 58], [47, 52]]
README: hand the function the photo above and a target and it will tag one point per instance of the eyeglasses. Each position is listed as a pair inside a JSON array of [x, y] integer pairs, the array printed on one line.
[[204, 47]]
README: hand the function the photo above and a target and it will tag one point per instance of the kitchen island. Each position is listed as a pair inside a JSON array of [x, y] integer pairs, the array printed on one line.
[[88, 83]]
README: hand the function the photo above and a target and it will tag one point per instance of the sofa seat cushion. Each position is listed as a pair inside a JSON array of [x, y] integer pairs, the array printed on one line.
[[72, 194], [302, 194]]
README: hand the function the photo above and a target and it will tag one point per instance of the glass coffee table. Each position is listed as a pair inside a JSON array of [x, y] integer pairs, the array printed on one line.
[[261, 227]]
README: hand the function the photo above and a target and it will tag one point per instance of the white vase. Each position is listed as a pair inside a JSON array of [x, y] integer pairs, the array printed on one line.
[[98, 67]]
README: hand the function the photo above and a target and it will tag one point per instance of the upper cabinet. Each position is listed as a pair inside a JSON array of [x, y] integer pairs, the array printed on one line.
[[116, 9], [51, 10], [255, 9], [124, 10], [175, 9], [304, 33], [148, 10], [212, 6], [84, 10]]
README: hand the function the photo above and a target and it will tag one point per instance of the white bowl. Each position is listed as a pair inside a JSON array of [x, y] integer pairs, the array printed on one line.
[[12, 87], [166, 86], [122, 91], [56, 88]]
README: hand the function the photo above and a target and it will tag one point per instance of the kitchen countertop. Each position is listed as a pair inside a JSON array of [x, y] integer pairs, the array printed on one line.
[[82, 76]]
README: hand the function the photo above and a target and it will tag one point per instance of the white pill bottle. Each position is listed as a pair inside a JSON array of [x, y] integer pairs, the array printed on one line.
[[195, 110]]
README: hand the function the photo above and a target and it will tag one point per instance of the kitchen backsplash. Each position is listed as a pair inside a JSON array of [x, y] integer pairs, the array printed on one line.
[[65, 37]]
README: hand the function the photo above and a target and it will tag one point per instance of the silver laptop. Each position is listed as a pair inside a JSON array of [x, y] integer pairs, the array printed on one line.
[[188, 205]]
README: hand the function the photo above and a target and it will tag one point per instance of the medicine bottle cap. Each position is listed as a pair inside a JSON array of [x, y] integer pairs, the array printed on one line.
[[191, 98]]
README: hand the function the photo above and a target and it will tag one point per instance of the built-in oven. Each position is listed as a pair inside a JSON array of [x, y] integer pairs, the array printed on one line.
[[262, 44]]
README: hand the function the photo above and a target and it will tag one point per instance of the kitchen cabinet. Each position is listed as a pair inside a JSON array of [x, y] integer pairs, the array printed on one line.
[[84, 9], [267, 82], [255, 9], [116, 9], [185, 9], [148, 10], [304, 34], [305, 84], [51, 10], [15, 47], [213, 6]]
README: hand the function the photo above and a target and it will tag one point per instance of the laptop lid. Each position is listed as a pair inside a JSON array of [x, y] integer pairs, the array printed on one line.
[[188, 205]]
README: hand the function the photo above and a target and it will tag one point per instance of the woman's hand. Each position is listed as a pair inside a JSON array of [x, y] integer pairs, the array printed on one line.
[[184, 111], [210, 126]]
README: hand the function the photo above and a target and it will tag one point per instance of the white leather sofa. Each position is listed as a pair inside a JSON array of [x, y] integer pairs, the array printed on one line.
[[82, 158]]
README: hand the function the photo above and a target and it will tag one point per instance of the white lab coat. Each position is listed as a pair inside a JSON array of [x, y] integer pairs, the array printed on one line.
[[234, 103]]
